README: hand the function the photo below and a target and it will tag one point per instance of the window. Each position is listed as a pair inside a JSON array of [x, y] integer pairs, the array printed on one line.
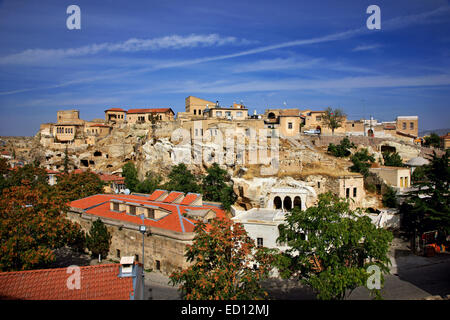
[[289, 125], [115, 206], [158, 265], [195, 112], [406, 182], [318, 184], [319, 118], [150, 213], [353, 125], [136, 257], [411, 125], [347, 193], [218, 113], [354, 192], [118, 253], [239, 114], [196, 132], [228, 113], [401, 182], [259, 242], [404, 125], [132, 210]]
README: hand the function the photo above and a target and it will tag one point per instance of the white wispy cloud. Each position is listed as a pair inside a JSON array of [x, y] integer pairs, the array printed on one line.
[[276, 64], [295, 64], [346, 83], [31, 56], [366, 47], [195, 40]]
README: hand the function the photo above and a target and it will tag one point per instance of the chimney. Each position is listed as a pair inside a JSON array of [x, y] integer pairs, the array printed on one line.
[[126, 267]]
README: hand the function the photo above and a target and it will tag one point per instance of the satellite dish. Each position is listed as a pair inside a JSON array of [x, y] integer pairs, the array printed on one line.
[[126, 191]]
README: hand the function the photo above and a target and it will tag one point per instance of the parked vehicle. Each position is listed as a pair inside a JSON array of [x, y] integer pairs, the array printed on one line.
[[311, 131]]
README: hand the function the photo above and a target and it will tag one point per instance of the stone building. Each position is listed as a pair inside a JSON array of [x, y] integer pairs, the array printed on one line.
[[397, 177], [445, 141], [287, 121], [236, 112], [314, 120], [195, 106], [146, 115], [169, 217], [350, 187], [262, 226], [115, 115], [408, 125]]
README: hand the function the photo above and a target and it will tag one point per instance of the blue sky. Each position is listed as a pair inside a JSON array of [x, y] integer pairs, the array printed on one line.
[[302, 54]]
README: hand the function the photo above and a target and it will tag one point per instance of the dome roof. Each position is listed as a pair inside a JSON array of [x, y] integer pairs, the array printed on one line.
[[418, 161]]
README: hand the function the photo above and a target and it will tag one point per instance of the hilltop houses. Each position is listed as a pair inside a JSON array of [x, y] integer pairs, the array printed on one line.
[[206, 115]]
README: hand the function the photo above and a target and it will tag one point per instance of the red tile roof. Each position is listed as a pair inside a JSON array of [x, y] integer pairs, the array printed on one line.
[[98, 205], [189, 198], [52, 171], [151, 110], [99, 282], [156, 194], [115, 109], [172, 196], [111, 177]]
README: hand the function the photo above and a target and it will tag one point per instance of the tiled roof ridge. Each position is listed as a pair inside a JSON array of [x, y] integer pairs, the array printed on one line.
[[8, 273]]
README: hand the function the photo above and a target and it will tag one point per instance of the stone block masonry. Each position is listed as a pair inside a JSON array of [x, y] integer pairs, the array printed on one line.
[[164, 250]]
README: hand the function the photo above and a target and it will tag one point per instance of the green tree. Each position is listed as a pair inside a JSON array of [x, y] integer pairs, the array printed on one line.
[[98, 240], [342, 149], [333, 119], [75, 186], [390, 198], [418, 174], [4, 172], [149, 184], [32, 226], [130, 173], [433, 140], [222, 259], [392, 159], [183, 180], [339, 246], [66, 160], [215, 188], [28, 175], [426, 207], [362, 161]]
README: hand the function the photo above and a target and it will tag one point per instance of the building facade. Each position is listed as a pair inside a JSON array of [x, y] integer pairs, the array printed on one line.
[[169, 217]]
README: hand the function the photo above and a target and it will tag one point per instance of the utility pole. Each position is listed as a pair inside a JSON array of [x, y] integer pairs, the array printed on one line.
[[143, 229]]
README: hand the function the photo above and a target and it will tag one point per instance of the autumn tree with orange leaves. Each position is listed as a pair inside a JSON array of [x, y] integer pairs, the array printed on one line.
[[32, 226], [223, 261], [73, 186]]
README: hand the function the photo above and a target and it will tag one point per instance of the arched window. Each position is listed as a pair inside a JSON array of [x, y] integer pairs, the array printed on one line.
[[287, 203], [298, 202], [271, 115], [277, 202]]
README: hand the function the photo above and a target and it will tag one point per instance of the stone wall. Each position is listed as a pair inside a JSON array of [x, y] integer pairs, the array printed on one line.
[[160, 245]]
